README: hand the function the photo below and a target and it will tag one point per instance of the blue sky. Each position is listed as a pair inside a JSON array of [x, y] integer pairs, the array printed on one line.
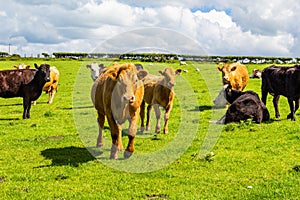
[[227, 27]]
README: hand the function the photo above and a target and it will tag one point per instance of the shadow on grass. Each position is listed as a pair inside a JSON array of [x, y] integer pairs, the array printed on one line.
[[201, 108], [71, 156], [9, 119]]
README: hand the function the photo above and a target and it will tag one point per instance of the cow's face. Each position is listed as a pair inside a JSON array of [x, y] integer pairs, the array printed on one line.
[[95, 70], [256, 74], [227, 71], [43, 71], [169, 77], [127, 83], [220, 101]]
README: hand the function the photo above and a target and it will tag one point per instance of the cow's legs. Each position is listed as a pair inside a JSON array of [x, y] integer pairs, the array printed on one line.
[[101, 120], [157, 114], [26, 107], [142, 114], [264, 95], [291, 115], [51, 96], [133, 121], [167, 114], [149, 108], [275, 103], [116, 136], [296, 105]]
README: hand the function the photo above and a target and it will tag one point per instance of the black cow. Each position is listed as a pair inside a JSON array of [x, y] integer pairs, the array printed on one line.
[[244, 105], [280, 80], [26, 83]]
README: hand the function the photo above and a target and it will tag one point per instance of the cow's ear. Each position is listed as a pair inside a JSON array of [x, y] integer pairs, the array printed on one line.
[[142, 74], [16, 67], [178, 71], [161, 72], [233, 68], [219, 68], [36, 66], [88, 66], [28, 66]]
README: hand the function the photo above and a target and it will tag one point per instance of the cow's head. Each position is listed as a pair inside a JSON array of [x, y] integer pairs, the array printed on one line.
[[169, 75], [22, 66], [227, 70], [95, 70], [128, 81], [220, 101], [43, 71], [256, 74]]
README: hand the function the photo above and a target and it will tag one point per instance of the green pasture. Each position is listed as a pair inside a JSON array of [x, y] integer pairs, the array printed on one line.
[[52, 155]]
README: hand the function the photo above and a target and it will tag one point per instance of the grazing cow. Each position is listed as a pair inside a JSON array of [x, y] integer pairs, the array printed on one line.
[[244, 105], [235, 75], [159, 92], [95, 70], [280, 80], [256, 73], [51, 86], [26, 83], [183, 63], [118, 94]]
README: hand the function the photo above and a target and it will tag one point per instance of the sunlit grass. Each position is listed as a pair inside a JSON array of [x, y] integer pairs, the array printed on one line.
[[45, 158]]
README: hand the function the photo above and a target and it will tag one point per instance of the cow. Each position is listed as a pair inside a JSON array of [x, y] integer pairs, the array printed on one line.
[[50, 87], [183, 63], [95, 69], [22, 66], [25, 83], [235, 75], [256, 73], [244, 105], [281, 80], [118, 94], [139, 66], [159, 92]]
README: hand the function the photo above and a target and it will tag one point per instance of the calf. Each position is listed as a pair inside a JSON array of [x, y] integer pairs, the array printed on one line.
[[235, 75], [118, 94], [280, 80], [244, 105], [95, 70], [159, 92], [27, 83]]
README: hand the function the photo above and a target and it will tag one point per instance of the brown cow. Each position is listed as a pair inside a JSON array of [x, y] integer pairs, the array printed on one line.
[[159, 92], [117, 94], [235, 75], [51, 86]]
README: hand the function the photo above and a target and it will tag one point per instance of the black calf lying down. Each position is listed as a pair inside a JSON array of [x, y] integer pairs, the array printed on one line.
[[244, 105]]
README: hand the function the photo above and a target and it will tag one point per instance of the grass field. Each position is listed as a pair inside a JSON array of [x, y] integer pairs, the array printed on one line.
[[52, 155]]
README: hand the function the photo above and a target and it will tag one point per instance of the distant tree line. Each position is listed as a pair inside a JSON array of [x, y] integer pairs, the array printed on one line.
[[161, 57]]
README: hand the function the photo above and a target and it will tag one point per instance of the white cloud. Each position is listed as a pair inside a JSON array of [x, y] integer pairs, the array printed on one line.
[[257, 27]]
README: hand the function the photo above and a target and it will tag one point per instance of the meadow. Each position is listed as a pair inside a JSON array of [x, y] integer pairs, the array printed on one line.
[[52, 155]]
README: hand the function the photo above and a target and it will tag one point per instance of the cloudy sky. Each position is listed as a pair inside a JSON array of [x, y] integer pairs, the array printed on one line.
[[213, 27]]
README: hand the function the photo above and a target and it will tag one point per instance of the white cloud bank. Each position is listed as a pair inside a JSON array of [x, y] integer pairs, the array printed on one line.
[[258, 27]]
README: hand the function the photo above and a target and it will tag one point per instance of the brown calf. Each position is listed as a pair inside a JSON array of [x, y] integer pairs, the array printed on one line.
[[159, 92], [117, 94]]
